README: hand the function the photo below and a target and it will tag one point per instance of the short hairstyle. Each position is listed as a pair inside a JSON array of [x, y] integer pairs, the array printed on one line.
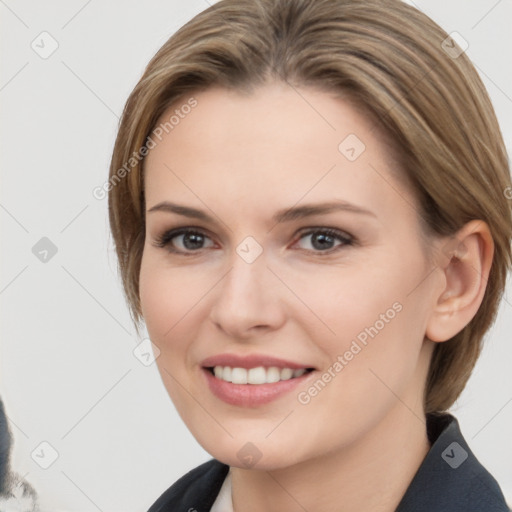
[[389, 58]]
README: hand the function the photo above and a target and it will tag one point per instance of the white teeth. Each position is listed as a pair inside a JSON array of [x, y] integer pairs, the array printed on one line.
[[258, 375], [286, 373], [238, 376], [273, 374]]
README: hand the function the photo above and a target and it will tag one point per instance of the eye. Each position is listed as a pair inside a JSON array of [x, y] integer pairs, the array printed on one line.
[[186, 240], [324, 239]]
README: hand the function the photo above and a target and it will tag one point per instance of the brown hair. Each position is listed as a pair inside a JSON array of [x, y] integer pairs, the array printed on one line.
[[383, 54]]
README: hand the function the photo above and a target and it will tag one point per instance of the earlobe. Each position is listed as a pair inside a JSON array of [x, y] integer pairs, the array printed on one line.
[[465, 260]]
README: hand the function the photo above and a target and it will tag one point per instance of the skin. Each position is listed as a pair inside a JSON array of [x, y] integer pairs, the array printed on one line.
[[241, 158]]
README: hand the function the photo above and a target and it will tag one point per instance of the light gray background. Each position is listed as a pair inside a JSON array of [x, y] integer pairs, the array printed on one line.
[[68, 374]]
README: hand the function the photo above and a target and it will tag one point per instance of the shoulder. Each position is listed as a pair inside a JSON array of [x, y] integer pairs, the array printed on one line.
[[451, 478], [195, 491]]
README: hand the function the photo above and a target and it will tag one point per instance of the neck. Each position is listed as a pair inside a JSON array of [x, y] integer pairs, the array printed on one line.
[[371, 474]]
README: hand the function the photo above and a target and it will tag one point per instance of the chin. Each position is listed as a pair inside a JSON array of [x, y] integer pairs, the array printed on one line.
[[259, 454]]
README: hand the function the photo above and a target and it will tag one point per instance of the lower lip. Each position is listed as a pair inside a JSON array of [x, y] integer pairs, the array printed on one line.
[[251, 395]]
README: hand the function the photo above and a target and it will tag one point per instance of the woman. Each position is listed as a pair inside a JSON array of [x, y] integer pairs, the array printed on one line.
[[309, 204]]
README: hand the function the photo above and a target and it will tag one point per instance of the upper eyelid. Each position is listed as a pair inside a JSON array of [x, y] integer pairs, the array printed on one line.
[[204, 231]]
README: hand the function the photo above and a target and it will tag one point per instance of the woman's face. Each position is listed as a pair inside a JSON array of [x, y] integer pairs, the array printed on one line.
[[279, 238]]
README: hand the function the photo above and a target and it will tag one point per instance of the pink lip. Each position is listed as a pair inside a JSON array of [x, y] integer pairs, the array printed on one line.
[[251, 361], [251, 395]]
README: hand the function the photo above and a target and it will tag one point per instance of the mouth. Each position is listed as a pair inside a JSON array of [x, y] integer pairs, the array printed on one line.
[[254, 386], [257, 375]]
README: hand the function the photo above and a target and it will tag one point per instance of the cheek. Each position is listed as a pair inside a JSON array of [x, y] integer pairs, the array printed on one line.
[[368, 316], [167, 296], [344, 301], [155, 299]]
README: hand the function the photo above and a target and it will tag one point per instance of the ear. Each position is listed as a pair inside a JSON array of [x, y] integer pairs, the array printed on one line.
[[465, 261]]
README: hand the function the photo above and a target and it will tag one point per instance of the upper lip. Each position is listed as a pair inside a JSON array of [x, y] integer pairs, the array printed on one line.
[[250, 361]]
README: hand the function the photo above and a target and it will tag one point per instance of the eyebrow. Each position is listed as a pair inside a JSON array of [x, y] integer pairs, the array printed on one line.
[[285, 215]]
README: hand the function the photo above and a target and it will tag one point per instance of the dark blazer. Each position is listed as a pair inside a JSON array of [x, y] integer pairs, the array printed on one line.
[[450, 479]]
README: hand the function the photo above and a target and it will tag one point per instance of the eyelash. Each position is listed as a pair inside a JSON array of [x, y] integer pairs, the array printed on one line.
[[164, 240]]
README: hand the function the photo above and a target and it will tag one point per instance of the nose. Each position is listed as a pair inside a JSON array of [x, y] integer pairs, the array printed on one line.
[[248, 300]]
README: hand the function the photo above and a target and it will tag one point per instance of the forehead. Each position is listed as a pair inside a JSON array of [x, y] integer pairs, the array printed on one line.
[[275, 144]]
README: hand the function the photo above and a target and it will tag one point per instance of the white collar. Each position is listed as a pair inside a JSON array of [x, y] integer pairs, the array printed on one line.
[[224, 502]]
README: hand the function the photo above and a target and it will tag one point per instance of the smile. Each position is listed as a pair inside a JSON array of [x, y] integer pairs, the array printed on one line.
[[258, 375], [259, 385]]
